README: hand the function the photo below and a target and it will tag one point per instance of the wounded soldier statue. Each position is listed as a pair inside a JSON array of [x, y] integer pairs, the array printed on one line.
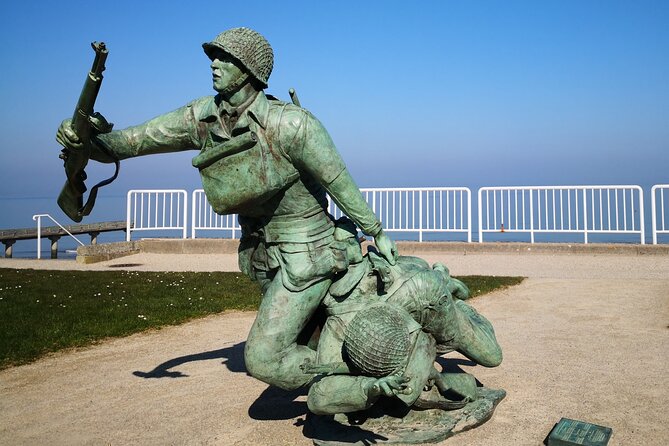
[[384, 328]]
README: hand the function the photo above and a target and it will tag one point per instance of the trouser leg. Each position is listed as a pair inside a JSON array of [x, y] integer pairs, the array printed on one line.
[[272, 354], [458, 326], [476, 337]]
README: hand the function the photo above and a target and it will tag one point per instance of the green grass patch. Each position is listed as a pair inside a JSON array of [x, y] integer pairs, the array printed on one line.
[[45, 311], [479, 285]]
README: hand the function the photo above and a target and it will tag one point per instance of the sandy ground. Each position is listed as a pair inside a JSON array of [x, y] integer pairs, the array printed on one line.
[[584, 337]]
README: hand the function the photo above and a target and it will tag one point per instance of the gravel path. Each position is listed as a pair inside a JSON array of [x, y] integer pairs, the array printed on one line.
[[584, 337]]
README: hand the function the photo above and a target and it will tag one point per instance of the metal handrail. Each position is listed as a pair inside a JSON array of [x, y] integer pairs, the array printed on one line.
[[419, 209], [562, 209], [203, 216], [584, 209], [158, 213], [38, 218]]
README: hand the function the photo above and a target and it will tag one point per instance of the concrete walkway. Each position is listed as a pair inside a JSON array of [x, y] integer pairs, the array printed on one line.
[[586, 336]]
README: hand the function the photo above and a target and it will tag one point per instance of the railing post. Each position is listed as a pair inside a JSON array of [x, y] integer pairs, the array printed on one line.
[[532, 214], [585, 216], [420, 217], [185, 214], [653, 214], [480, 209], [469, 215], [193, 214], [642, 221], [127, 215]]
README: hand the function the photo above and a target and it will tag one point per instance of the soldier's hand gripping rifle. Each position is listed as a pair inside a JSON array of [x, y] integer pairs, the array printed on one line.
[[85, 124]]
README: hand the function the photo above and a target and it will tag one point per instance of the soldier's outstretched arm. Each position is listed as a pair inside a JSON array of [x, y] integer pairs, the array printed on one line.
[[171, 132]]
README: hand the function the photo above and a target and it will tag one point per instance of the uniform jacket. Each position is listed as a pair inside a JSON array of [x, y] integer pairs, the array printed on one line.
[[278, 186]]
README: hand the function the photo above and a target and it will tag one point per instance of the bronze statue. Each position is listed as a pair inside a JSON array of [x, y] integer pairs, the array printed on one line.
[[273, 163]]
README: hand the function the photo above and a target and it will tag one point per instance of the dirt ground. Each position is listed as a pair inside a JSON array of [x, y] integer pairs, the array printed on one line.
[[584, 337]]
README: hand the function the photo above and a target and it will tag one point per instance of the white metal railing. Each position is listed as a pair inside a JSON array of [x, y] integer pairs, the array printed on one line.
[[561, 209], [158, 209], [38, 218], [659, 215], [203, 217], [610, 209], [420, 210]]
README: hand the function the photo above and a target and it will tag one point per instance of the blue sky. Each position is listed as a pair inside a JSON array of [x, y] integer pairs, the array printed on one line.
[[443, 93]]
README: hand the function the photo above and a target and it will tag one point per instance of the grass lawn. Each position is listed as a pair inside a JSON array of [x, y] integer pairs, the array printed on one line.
[[45, 311]]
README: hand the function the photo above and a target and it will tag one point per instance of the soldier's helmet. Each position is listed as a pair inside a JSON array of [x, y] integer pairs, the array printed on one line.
[[248, 47], [376, 341]]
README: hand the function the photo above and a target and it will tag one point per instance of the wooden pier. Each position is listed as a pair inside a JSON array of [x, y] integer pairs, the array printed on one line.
[[9, 236]]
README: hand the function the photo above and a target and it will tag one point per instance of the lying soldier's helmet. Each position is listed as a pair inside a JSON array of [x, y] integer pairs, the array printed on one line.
[[376, 341], [248, 47]]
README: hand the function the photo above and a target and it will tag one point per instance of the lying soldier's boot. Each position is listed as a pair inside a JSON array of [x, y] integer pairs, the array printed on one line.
[[432, 399], [462, 384]]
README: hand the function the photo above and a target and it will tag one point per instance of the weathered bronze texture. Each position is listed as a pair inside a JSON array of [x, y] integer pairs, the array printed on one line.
[[384, 318]]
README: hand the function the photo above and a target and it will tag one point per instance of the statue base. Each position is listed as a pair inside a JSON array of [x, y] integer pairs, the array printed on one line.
[[389, 422]]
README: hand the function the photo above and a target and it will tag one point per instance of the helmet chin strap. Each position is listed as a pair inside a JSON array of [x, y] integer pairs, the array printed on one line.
[[235, 85]]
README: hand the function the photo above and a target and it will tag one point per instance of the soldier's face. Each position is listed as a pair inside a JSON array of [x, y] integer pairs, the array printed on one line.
[[225, 72]]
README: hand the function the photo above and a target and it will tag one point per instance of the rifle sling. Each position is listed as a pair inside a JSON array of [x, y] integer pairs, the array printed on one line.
[[92, 196]]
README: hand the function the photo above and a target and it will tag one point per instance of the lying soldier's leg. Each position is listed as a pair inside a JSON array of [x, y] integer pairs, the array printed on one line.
[[475, 337]]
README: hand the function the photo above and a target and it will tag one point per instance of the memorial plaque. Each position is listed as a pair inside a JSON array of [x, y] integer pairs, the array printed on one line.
[[572, 433]]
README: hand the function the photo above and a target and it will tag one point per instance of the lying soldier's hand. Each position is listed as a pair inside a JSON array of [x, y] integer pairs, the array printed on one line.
[[390, 385]]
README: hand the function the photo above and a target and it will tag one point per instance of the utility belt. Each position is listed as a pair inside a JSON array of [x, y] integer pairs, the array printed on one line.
[[305, 250], [314, 226]]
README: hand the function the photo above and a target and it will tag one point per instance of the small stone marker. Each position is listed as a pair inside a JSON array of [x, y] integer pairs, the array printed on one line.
[[572, 433]]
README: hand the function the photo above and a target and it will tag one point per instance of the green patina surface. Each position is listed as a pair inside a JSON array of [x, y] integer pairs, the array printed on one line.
[[274, 164]]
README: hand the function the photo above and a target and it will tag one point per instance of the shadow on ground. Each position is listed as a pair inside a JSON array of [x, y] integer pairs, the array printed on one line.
[[234, 361], [277, 404]]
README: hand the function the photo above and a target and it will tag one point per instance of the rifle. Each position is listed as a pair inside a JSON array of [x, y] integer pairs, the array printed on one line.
[[85, 123]]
